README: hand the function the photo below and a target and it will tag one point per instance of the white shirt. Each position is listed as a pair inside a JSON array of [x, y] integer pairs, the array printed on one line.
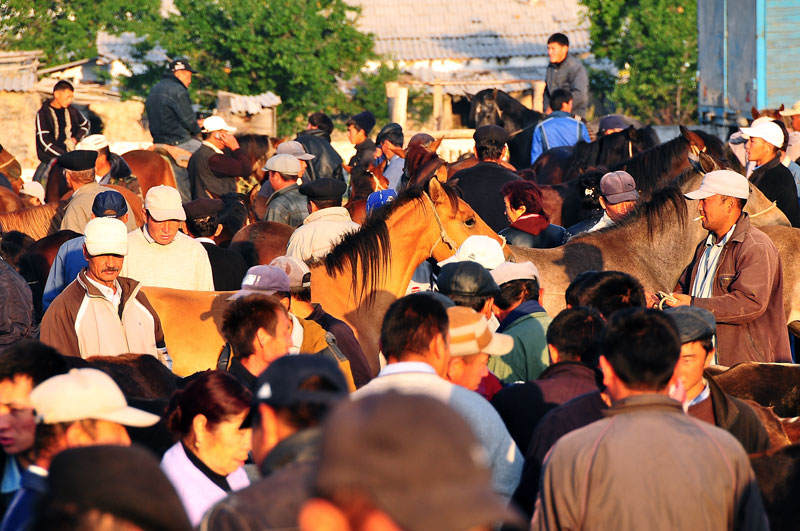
[[703, 283], [112, 295]]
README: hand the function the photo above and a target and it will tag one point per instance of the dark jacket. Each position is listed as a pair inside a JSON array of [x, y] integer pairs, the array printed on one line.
[[552, 236], [737, 418], [16, 308], [22, 509], [245, 377], [227, 267], [365, 154], [51, 136], [347, 343], [326, 161], [273, 502], [776, 182], [569, 74], [214, 175], [480, 186], [747, 297], [287, 206], [169, 112]]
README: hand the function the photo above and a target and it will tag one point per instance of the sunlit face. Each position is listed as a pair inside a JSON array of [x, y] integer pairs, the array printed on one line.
[[474, 370], [279, 344], [355, 135], [224, 446], [759, 150], [17, 422], [690, 366], [620, 210], [63, 98], [104, 268], [162, 232], [715, 211], [184, 76], [513, 214], [557, 52], [106, 432]]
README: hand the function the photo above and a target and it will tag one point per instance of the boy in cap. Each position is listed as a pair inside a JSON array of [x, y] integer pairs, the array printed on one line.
[[736, 273], [316, 140], [390, 142], [102, 313], [81, 408], [202, 223], [109, 168], [327, 221], [481, 184], [160, 255], [32, 194], [79, 172], [59, 127], [286, 204], [70, 260], [618, 198], [216, 165], [559, 128]]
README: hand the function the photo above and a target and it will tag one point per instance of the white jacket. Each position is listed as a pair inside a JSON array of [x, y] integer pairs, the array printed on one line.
[[320, 232]]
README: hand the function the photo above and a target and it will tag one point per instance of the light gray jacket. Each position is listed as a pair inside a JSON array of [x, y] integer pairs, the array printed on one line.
[[569, 74]]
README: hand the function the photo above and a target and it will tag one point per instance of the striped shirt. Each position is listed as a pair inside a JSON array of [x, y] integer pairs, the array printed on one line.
[[703, 283]]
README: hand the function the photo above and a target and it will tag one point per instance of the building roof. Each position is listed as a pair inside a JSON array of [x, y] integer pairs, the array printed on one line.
[[18, 70], [472, 80], [414, 30], [241, 104], [123, 47]]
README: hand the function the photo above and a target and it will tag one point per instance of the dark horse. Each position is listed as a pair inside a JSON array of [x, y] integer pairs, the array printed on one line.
[[562, 164], [495, 107]]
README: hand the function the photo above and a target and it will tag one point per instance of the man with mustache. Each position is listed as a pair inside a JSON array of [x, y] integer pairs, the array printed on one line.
[[101, 313]]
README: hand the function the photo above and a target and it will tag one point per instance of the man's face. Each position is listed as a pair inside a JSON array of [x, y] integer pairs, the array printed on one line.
[[184, 76], [355, 135], [620, 210], [556, 52], [163, 232], [105, 432], [759, 150], [473, 371], [63, 98], [691, 364], [715, 211], [17, 423], [282, 340], [104, 268]]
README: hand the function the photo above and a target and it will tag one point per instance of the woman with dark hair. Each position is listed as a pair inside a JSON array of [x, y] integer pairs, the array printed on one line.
[[530, 226], [206, 462]]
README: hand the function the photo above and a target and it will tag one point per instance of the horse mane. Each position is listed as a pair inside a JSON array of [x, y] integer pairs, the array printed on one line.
[[256, 146], [28, 220], [367, 251], [515, 106]]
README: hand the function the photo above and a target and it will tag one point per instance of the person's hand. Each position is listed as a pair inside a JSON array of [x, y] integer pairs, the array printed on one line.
[[378, 153], [229, 140], [683, 300], [651, 299]]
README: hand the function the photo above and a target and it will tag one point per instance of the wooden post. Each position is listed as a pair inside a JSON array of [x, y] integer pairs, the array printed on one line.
[[437, 106], [400, 106], [447, 112], [391, 93], [538, 95]]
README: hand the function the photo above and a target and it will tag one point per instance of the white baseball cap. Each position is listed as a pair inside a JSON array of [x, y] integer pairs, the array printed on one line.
[[283, 163], [768, 130], [470, 334], [509, 271], [294, 148], [216, 123], [793, 110], [106, 236], [93, 143], [722, 182], [164, 202], [34, 189], [85, 394], [482, 249]]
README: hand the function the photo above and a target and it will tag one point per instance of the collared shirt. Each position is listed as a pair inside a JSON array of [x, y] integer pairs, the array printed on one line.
[[112, 295], [217, 150], [704, 394], [12, 476], [394, 171], [604, 222], [406, 366], [297, 335], [203, 239], [703, 283]]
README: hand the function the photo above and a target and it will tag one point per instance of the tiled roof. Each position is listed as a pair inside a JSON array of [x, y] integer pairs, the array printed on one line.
[[495, 75], [18, 70], [470, 29], [240, 104]]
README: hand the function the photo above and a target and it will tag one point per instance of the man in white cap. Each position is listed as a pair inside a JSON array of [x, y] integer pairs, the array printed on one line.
[[286, 204], [736, 274], [32, 194], [793, 113], [81, 408], [101, 313], [765, 140], [109, 168], [160, 255], [214, 167]]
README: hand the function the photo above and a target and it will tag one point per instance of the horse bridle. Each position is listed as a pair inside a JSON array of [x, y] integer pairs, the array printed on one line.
[[773, 205], [443, 236]]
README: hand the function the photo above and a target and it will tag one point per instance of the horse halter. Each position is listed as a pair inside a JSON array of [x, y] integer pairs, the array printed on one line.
[[443, 236]]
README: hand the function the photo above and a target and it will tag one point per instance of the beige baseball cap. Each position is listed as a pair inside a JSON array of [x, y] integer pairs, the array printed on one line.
[[793, 110], [106, 236], [470, 334], [216, 123], [478, 248], [768, 130], [722, 182], [34, 189], [85, 394], [283, 163], [93, 143], [509, 271], [164, 202]]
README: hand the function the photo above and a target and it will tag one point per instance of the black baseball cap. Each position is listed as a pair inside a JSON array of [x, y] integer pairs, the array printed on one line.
[[109, 203], [181, 64], [392, 132], [203, 207], [365, 120], [466, 278]]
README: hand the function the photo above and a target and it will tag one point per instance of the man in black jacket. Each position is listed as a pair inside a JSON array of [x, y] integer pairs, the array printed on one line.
[[317, 141], [215, 166], [565, 72], [59, 127]]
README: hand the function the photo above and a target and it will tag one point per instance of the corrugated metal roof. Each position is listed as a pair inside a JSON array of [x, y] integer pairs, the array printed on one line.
[[470, 29], [18, 70], [496, 75], [240, 104]]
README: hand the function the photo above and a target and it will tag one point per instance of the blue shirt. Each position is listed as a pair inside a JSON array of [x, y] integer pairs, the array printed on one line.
[[559, 129], [68, 263]]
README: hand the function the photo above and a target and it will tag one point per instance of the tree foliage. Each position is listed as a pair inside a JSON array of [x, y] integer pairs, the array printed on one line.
[[653, 44]]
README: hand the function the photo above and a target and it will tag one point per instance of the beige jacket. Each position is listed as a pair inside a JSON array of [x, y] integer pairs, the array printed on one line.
[[320, 232], [79, 209]]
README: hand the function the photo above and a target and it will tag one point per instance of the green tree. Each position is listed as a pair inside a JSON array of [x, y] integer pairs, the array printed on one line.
[[653, 44]]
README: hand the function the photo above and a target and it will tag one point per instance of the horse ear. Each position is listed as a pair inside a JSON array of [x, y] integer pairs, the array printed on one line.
[[780, 108], [441, 173], [435, 190], [693, 138], [707, 163], [754, 112], [435, 144], [630, 132]]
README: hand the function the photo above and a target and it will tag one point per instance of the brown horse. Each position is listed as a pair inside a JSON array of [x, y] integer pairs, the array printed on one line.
[[150, 168], [260, 242], [37, 222], [371, 268], [9, 201], [11, 168]]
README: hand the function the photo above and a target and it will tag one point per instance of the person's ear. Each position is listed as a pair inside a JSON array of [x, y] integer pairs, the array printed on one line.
[[269, 426], [488, 306], [76, 436], [609, 376], [321, 515], [144, 215], [199, 426], [602, 202], [85, 253], [455, 368], [218, 231], [554, 356], [709, 357]]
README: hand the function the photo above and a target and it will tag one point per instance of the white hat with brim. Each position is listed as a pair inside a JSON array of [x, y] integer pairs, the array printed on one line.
[[482, 249], [793, 110], [283, 163], [722, 182], [296, 149], [85, 394], [509, 271], [106, 236], [34, 189], [93, 143], [768, 130], [216, 123], [470, 334], [164, 203]]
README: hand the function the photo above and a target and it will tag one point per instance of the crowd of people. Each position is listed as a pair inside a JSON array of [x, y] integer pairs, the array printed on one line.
[[484, 411]]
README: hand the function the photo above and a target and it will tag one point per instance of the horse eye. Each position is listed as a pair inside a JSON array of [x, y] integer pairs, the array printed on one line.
[[470, 222]]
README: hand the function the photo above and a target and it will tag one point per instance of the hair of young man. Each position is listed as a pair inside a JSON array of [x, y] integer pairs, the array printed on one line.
[[304, 415], [204, 227], [476, 302], [104, 151], [785, 132], [517, 291], [243, 318], [326, 203], [352, 122], [34, 359], [558, 98], [63, 85], [411, 324], [489, 149], [322, 121], [642, 345], [610, 291], [82, 176], [707, 343], [576, 333], [303, 293], [558, 38], [576, 288]]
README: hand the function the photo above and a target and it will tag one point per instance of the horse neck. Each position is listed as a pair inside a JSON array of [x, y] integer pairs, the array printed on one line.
[[653, 167], [409, 246]]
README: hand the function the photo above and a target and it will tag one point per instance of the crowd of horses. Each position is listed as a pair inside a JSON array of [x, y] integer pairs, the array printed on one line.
[[372, 267]]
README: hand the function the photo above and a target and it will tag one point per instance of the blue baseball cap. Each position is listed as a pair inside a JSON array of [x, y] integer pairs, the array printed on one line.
[[380, 198], [109, 204]]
